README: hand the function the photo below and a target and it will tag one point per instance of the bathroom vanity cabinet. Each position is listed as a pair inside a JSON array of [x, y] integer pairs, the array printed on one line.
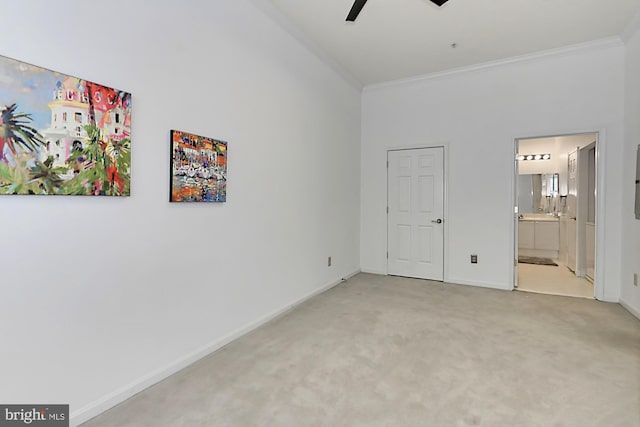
[[539, 236]]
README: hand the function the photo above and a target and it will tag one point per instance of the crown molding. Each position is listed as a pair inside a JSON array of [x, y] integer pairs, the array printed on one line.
[[605, 43]]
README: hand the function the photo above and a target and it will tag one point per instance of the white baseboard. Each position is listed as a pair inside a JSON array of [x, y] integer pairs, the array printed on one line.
[[479, 284], [630, 309], [112, 399], [349, 276], [374, 271]]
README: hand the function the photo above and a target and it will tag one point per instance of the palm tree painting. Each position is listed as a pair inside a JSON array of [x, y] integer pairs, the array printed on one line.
[[14, 131], [62, 135]]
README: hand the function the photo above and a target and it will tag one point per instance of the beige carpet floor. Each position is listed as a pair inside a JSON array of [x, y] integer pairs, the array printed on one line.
[[388, 351]]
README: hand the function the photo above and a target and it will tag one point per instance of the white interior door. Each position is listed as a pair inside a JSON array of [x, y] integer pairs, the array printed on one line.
[[415, 220]]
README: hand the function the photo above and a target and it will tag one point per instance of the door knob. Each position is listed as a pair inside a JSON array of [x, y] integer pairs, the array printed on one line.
[[437, 221]]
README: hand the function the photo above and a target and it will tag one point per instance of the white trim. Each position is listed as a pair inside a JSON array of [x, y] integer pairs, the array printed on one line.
[[268, 8], [445, 177], [630, 308], [112, 399], [513, 263], [605, 43], [373, 271], [601, 195], [416, 146]]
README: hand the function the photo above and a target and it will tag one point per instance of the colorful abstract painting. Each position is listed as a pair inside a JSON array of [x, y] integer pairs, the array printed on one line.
[[61, 134], [198, 168]]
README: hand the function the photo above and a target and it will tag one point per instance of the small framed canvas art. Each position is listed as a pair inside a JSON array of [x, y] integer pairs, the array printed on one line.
[[198, 168]]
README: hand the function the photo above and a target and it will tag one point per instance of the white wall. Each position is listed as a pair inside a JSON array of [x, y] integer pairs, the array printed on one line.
[[100, 295], [630, 295], [477, 114]]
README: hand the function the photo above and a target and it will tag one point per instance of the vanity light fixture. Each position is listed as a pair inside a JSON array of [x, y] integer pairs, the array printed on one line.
[[535, 157]]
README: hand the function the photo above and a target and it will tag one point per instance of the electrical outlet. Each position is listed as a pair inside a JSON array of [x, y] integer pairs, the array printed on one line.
[[329, 262], [474, 259], [635, 279]]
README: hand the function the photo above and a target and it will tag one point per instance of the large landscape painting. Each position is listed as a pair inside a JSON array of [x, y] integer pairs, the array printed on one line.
[[61, 134]]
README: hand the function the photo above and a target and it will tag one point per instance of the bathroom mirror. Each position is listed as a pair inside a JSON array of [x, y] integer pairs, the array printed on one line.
[[537, 193]]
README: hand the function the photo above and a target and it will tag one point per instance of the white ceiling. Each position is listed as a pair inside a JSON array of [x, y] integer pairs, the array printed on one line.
[[397, 39]]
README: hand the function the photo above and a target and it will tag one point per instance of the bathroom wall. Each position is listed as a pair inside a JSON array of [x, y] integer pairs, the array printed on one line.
[[538, 146], [559, 147]]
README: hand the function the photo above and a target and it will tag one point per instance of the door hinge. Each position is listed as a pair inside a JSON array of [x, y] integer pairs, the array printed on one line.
[[387, 255], [387, 209], [387, 164]]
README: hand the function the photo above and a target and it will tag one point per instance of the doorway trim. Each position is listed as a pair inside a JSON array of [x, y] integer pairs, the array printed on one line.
[[601, 145], [445, 177]]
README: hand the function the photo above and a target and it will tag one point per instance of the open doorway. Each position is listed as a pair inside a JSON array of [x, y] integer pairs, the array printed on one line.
[[555, 224]]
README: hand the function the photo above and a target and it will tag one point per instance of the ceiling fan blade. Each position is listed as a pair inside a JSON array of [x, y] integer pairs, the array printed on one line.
[[355, 10]]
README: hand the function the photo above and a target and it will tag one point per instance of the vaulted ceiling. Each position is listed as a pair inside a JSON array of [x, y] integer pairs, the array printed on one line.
[[396, 39]]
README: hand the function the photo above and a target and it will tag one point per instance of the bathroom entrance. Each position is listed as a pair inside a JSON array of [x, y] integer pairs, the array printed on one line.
[[555, 220]]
